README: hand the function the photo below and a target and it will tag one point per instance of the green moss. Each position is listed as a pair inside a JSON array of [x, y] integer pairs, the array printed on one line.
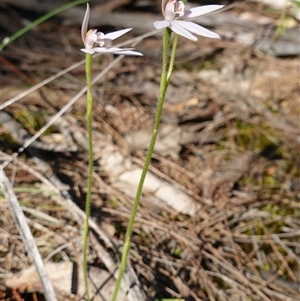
[[114, 202], [284, 210], [34, 121], [6, 138], [265, 267], [28, 120], [271, 182], [177, 252], [252, 136]]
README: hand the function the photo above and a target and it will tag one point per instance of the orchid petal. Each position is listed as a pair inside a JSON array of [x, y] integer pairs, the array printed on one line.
[[197, 29], [116, 50], [177, 28], [180, 8], [169, 12], [86, 50], [128, 52], [201, 10], [116, 34], [108, 49], [161, 24], [85, 22]]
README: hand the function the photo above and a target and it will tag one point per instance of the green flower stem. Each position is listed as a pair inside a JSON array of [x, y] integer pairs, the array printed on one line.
[[89, 115], [164, 81], [172, 60]]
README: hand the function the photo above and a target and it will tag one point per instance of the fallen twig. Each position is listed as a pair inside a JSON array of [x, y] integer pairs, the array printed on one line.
[[27, 237]]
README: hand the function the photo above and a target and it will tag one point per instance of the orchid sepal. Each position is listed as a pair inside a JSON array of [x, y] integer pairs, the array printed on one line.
[[197, 29], [184, 32], [116, 34], [161, 24], [201, 10]]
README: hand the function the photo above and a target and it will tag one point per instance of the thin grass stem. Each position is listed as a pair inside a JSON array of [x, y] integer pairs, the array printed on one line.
[[38, 21]]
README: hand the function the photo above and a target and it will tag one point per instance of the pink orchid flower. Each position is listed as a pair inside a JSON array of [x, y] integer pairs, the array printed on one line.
[[175, 18], [94, 37]]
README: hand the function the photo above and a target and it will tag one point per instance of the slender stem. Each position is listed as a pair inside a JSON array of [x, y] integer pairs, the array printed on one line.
[[89, 115], [162, 92], [172, 59]]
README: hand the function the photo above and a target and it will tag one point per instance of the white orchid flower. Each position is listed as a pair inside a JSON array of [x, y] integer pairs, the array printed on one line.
[[93, 37], [175, 18]]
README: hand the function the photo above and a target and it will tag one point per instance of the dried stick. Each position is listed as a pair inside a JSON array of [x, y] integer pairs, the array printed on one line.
[[27, 237]]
